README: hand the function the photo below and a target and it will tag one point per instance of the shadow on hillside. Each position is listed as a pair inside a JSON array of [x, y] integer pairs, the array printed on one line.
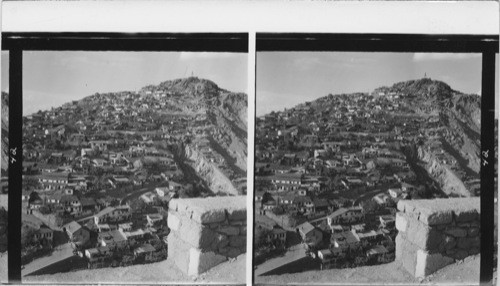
[[65, 265], [301, 265]]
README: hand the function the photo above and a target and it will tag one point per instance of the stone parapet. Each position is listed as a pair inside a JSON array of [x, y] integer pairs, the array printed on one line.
[[206, 231], [435, 233]]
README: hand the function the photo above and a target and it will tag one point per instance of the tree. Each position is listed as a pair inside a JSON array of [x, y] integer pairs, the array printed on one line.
[[262, 240], [370, 206], [27, 234], [33, 197]]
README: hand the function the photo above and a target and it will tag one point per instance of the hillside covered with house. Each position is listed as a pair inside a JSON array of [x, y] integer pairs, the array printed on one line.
[[330, 172], [98, 173]]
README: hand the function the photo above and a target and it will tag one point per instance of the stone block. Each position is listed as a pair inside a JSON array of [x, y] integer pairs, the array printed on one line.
[[237, 241], [434, 217], [441, 211], [451, 252], [456, 232], [178, 251], [233, 252], [402, 206], [243, 230], [229, 230], [222, 240], [200, 262], [429, 263], [465, 242], [460, 254], [3, 239], [214, 225], [197, 235], [406, 253], [449, 242], [475, 223], [423, 236], [474, 231], [237, 214], [400, 244], [441, 226], [173, 205], [474, 251], [209, 216], [238, 222], [401, 222], [466, 215], [173, 221], [210, 210]]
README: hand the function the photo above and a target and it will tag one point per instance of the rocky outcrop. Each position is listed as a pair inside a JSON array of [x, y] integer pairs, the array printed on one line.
[[460, 118], [217, 181], [448, 181], [435, 233], [206, 232]]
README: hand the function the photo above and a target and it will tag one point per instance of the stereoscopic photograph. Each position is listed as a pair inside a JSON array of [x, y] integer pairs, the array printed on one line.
[[134, 167], [367, 167]]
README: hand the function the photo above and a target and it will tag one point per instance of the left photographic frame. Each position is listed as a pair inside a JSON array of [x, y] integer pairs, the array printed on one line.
[[4, 206], [131, 157]]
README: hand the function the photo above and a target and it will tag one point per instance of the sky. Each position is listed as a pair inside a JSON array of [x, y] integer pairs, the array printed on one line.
[[285, 79], [4, 84], [51, 78]]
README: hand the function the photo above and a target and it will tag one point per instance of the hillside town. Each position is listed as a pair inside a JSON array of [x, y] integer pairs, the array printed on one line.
[[98, 173], [329, 173]]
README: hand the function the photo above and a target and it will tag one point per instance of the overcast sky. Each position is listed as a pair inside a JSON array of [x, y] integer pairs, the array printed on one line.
[[53, 78], [285, 79]]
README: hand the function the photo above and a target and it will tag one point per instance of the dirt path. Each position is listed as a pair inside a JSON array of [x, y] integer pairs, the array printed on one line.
[[229, 272], [464, 273]]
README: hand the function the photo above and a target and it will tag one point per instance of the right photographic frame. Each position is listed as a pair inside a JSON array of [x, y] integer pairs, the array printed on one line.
[[375, 159]]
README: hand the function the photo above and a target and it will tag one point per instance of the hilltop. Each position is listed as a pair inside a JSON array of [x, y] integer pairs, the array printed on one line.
[[205, 126]]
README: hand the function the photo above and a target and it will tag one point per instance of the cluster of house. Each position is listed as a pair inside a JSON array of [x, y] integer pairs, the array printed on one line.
[[113, 231], [87, 162], [343, 238], [337, 146]]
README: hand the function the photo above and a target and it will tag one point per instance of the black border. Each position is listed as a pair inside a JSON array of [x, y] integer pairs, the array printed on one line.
[[15, 167], [195, 42], [377, 43], [16, 43], [487, 45]]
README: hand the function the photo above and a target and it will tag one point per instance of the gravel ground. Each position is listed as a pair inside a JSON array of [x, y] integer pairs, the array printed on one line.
[[231, 272], [461, 273]]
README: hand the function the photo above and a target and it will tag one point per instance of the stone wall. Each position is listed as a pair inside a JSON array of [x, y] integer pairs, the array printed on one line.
[[435, 233], [206, 231]]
